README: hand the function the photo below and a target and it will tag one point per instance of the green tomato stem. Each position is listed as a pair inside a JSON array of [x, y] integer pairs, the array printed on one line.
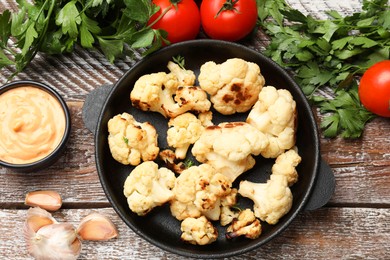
[[228, 5], [160, 16]]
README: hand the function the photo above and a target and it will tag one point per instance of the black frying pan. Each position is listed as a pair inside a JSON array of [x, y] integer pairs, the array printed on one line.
[[313, 189]]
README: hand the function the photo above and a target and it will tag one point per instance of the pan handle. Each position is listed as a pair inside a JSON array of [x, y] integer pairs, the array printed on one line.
[[323, 188], [93, 105]]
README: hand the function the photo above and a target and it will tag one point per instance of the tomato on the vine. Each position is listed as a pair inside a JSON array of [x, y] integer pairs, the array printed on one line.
[[374, 88], [179, 18], [229, 20]]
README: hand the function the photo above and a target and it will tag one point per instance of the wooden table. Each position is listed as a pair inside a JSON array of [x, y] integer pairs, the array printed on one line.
[[355, 224]]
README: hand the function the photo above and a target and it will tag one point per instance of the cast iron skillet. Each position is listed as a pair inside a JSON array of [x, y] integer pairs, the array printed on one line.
[[159, 227]]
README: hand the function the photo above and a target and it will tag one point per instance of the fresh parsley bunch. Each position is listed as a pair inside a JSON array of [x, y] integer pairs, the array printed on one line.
[[329, 55], [55, 27]]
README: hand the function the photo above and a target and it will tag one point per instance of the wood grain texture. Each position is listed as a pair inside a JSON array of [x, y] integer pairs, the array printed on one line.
[[328, 233]]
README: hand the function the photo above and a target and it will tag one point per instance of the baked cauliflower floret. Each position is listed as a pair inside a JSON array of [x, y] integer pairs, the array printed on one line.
[[229, 147], [246, 224], [131, 142], [285, 165], [164, 93], [227, 213], [148, 186], [198, 231], [233, 85], [185, 77], [183, 131], [275, 115], [198, 190], [272, 200]]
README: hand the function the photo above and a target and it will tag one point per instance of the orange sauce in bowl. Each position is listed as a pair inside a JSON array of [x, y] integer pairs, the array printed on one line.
[[32, 124]]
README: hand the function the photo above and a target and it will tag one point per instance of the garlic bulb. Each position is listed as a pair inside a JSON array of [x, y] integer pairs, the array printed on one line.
[[51, 241]]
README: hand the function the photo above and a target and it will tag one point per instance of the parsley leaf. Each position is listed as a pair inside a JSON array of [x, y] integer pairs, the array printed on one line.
[[55, 27], [329, 55], [69, 19]]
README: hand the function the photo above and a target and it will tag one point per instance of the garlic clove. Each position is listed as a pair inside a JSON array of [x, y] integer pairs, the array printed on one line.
[[45, 199], [55, 242], [96, 227], [37, 218]]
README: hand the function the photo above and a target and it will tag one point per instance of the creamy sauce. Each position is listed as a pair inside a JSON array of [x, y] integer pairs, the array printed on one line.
[[32, 124]]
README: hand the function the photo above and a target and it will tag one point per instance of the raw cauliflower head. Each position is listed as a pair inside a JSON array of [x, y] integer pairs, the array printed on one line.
[[130, 141], [272, 200], [275, 115], [233, 86], [169, 94], [148, 186], [183, 131], [229, 147], [198, 231], [198, 190]]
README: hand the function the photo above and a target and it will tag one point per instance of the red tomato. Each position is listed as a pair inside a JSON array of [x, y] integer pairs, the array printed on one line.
[[229, 20], [374, 88], [181, 21]]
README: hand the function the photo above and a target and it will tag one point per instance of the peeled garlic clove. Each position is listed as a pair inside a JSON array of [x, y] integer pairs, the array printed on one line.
[[55, 241], [46, 199], [37, 218], [96, 227]]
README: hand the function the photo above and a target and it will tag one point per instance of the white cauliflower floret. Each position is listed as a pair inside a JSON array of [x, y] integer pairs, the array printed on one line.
[[198, 231], [285, 165], [165, 94], [272, 200], [148, 186], [171, 162], [229, 147], [185, 77], [246, 224], [227, 214], [233, 86], [131, 142], [198, 190], [183, 131], [275, 115]]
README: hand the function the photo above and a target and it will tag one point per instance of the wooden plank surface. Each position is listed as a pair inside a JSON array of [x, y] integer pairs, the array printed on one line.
[[328, 233], [355, 224]]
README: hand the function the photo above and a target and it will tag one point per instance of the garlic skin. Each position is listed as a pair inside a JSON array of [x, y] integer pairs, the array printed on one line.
[[55, 241], [51, 241], [96, 227], [45, 199], [37, 218]]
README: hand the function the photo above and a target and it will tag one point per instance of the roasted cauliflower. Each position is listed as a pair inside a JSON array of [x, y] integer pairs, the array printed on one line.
[[227, 203], [198, 231], [169, 94], [285, 164], [198, 190], [233, 85], [185, 77], [275, 115], [183, 131], [148, 186], [171, 162], [130, 141], [246, 224], [229, 147], [272, 200]]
